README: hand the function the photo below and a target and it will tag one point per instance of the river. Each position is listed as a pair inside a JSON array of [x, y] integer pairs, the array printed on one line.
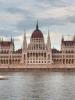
[[38, 86]]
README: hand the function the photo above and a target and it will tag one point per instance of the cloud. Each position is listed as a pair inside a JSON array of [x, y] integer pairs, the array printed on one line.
[[19, 15], [52, 3], [71, 19], [10, 17], [15, 10]]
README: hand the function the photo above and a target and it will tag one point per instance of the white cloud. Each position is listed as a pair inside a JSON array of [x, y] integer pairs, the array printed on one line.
[[55, 12], [11, 17], [35, 9]]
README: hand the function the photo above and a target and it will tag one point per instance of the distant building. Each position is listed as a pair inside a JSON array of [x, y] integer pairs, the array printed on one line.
[[37, 52]]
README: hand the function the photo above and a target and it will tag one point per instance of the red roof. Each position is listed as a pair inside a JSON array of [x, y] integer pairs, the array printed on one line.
[[37, 34], [71, 43], [5, 43]]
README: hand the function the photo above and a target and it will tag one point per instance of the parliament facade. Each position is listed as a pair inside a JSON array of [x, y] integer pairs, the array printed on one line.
[[37, 52]]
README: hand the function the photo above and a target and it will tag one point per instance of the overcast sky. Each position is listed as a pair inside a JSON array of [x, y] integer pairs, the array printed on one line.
[[17, 16]]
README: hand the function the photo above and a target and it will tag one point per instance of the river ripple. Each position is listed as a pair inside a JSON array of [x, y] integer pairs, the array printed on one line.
[[38, 86]]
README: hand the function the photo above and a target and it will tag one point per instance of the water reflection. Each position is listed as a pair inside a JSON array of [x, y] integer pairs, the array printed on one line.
[[38, 86]]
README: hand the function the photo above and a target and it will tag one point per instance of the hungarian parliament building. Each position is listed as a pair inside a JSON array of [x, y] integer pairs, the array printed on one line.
[[37, 52]]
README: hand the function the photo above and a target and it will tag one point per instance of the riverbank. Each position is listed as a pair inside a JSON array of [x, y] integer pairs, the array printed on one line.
[[37, 69], [21, 68]]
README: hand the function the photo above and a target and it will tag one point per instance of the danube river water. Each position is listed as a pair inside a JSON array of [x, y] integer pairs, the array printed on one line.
[[38, 86]]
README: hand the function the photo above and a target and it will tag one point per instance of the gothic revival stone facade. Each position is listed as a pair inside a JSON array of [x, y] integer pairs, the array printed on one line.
[[37, 52]]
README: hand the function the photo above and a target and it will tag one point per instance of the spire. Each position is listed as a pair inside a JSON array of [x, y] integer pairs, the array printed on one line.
[[62, 40], [11, 39], [24, 41], [48, 41], [0, 39], [48, 34], [37, 25], [13, 44]]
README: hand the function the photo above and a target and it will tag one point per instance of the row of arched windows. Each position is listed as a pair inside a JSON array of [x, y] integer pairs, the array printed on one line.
[[69, 51], [5, 61], [63, 61]]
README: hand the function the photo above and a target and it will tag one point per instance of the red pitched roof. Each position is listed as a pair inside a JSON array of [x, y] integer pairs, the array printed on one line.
[[5, 43], [71, 43]]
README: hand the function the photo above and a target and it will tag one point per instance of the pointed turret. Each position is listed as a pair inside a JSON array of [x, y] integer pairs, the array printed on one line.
[[49, 50], [11, 39], [62, 40], [0, 39], [24, 42], [74, 38], [13, 44], [48, 41]]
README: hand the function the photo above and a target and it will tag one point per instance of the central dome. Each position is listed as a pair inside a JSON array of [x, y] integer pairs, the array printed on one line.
[[37, 33]]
